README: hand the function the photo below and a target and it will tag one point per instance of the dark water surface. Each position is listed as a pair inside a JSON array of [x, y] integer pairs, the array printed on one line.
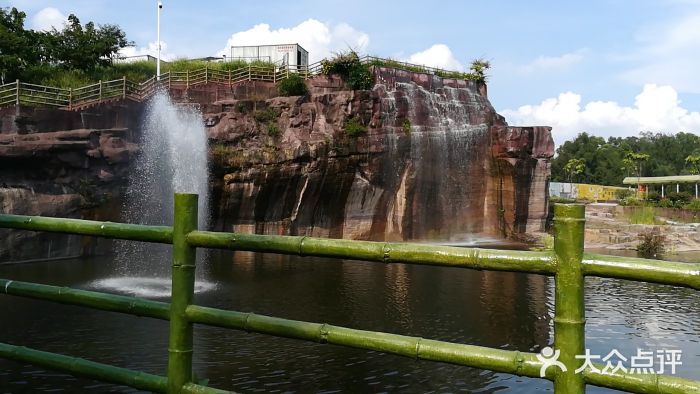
[[502, 310]]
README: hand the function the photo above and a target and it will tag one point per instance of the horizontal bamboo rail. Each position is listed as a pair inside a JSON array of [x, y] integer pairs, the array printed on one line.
[[134, 232], [654, 271], [630, 268], [91, 299], [386, 252], [568, 264], [508, 361]]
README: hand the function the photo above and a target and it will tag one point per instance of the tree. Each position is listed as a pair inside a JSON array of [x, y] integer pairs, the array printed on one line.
[[18, 47], [636, 160], [608, 162], [84, 48], [583, 147], [479, 67], [26, 54], [628, 166], [574, 167], [693, 161]]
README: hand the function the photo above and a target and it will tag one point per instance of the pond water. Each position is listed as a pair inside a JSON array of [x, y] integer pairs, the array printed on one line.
[[495, 309]]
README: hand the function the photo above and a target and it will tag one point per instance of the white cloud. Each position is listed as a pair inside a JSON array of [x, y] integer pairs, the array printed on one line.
[[668, 55], [656, 108], [552, 63], [438, 55], [48, 18], [151, 49], [320, 39]]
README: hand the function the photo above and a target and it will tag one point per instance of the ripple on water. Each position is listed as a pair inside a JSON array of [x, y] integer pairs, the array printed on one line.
[[145, 287]]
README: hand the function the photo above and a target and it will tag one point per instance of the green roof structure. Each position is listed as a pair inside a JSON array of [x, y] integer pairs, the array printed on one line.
[[664, 180], [660, 180]]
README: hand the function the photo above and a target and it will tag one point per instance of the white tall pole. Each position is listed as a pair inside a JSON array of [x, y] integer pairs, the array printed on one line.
[[160, 6]]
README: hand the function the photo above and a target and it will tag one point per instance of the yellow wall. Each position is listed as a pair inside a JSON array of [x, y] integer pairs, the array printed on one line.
[[596, 192]]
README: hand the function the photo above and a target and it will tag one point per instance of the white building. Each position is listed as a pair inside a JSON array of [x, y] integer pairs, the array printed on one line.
[[284, 54], [137, 58]]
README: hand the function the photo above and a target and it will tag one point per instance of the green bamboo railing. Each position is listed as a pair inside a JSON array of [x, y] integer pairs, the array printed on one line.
[[568, 264]]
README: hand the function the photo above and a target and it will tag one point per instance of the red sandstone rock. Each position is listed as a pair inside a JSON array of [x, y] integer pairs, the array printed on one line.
[[458, 170], [436, 161]]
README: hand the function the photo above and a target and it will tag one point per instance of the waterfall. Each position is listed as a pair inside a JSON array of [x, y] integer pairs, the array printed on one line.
[[444, 198]]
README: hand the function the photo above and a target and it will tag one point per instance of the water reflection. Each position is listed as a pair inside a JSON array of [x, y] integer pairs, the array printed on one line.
[[496, 309], [447, 304], [143, 287], [398, 286]]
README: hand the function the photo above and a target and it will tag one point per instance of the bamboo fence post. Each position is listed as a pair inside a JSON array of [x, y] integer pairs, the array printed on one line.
[[569, 311], [17, 100], [124, 87], [70, 98], [180, 341], [229, 78], [187, 79], [206, 75], [100, 97]]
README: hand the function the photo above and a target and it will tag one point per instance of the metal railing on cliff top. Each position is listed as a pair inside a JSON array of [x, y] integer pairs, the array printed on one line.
[[567, 263], [21, 93]]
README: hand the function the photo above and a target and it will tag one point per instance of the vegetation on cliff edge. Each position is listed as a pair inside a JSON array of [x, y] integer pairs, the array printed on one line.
[[294, 85], [478, 68], [349, 66]]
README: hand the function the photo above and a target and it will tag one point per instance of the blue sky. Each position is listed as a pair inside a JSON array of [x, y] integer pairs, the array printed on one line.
[[606, 67]]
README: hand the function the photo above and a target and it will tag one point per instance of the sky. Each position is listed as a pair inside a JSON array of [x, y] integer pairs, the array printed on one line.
[[609, 68]]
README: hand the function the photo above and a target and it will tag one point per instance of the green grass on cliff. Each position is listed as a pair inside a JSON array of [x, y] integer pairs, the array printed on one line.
[[354, 128], [56, 76], [346, 64], [477, 69]]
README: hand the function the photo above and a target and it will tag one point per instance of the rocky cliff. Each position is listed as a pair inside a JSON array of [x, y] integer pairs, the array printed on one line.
[[432, 160], [416, 158], [66, 164]]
